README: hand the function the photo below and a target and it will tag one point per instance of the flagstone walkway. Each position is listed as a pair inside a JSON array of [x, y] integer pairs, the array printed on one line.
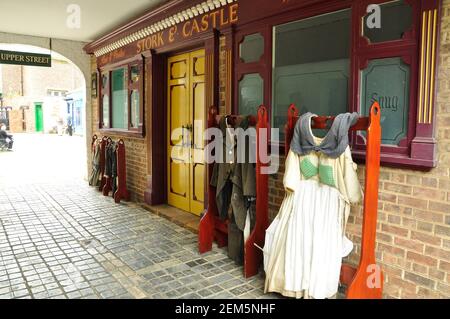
[[60, 238]]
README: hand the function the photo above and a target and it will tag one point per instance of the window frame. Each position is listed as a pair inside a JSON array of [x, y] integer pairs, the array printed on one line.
[[417, 149], [138, 85], [260, 67]]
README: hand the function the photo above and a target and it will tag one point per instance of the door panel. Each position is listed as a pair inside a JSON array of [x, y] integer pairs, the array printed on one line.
[[197, 168], [178, 107], [186, 107]]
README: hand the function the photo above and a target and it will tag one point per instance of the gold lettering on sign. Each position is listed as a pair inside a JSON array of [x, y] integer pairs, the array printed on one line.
[[219, 18], [185, 32], [116, 54], [234, 13], [172, 32], [151, 42], [214, 18], [205, 23]]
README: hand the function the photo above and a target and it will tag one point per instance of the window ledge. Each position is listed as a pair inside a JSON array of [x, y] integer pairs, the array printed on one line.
[[119, 132], [398, 161]]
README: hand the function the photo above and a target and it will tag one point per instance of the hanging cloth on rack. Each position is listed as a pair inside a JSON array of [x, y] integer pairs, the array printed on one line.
[[334, 143], [111, 165], [306, 242], [235, 181], [94, 177]]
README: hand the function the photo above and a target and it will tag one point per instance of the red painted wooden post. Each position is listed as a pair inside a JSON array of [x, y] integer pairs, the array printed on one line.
[[368, 280], [206, 228], [102, 163], [253, 255], [289, 128], [108, 180], [122, 191]]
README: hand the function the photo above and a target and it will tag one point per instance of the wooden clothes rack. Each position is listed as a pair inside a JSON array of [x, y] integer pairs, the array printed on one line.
[[105, 185], [212, 228], [361, 281], [122, 191], [108, 179]]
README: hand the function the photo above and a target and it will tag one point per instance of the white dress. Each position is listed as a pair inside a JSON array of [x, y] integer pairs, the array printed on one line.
[[306, 242]]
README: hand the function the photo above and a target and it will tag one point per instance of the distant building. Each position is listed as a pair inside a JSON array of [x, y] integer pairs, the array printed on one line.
[[33, 98], [75, 112]]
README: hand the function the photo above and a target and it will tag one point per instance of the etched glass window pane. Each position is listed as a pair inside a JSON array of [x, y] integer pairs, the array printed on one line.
[[119, 93], [387, 81], [252, 48], [135, 121], [105, 108], [251, 94], [396, 18], [311, 67], [105, 101]]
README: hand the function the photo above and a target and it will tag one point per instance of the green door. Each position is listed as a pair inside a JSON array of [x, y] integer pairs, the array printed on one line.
[[39, 116]]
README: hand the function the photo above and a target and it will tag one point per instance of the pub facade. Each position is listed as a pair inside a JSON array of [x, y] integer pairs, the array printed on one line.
[[165, 70]]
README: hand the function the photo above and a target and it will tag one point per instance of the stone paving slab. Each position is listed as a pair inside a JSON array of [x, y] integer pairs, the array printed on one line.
[[66, 240]]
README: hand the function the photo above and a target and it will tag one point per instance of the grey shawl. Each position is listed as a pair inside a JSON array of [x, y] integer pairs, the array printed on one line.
[[333, 144]]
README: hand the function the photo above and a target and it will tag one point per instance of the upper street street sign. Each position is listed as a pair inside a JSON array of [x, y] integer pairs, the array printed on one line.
[[24, 58]]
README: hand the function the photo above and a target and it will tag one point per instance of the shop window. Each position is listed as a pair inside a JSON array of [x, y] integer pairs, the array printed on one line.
[[119, 92], [251, 93], [121, 99], [396, 19], [329, 61], [252, 48], [387, 60], [393, 96], [311, 66]]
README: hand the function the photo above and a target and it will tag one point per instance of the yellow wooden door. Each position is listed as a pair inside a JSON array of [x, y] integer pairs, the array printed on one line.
[[186, 118]]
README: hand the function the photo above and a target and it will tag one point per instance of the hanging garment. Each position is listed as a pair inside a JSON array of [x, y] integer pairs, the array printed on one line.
[[111, 165], [94, 177], [250, 219], [235, 182], [306, 242]]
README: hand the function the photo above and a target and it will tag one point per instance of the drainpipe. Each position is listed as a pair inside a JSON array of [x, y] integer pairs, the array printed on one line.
[[21, 80]]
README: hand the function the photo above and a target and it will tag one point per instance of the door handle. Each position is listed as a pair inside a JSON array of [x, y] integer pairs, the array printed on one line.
[[191, 137], [183, 144]]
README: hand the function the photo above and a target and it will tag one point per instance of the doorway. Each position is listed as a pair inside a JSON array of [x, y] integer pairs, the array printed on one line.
[[39, 117], [186, 115]]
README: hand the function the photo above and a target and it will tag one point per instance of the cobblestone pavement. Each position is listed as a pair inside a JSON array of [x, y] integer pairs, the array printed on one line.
[[59, 238]]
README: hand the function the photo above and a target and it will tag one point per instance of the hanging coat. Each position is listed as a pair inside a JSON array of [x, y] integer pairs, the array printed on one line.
[[111, 164], [235, 182], [94, 177]]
